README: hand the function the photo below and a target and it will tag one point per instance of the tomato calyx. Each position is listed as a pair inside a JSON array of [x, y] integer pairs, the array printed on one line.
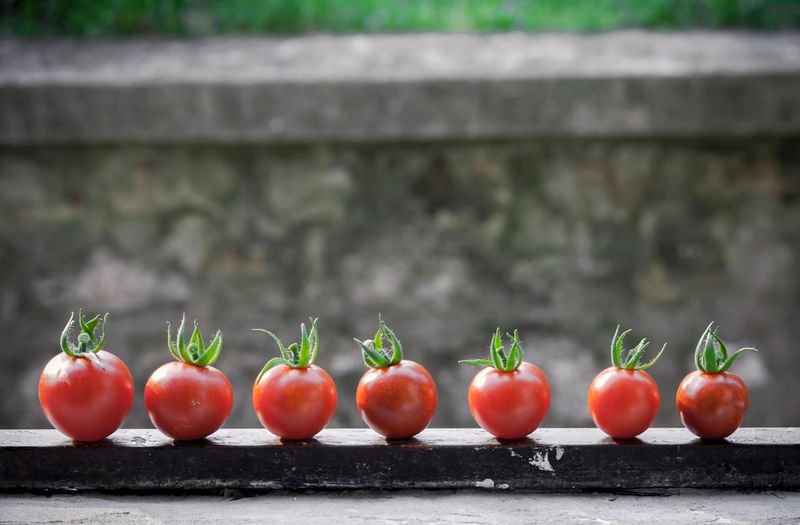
[[634, 356], [498, 357], [295, 355], [375, 352], [711, 355], [88, 344], [195, 352]]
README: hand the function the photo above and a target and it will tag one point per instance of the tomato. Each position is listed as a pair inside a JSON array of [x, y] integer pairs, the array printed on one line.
[[189, 399], [188, 402], [510, 405], [623, 403], [83, 400], [294, 403], [712, 406], [396, 398], [510, 397], [623, 399], [86, 392], [294, 398], [398, 401], [711, 401]]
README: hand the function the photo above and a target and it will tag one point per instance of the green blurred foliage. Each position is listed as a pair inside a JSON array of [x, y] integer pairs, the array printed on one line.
[[207, 17]]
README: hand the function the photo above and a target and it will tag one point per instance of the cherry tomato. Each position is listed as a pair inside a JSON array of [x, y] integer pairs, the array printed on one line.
[[510, 397], [83, 400], [396, 398], [188, 402], [623, 399], [85, 392], [712, 406], [294, 403], [398, 401], [510, 405], [711, 401], [189, 399], [294, 398], [623, 403]]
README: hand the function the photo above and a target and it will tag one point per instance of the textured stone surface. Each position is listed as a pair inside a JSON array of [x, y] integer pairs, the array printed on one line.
[[409, 507], [561, 239], [553, 459], [400, 87]]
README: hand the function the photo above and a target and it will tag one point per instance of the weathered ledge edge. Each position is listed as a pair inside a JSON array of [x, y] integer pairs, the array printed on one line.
[[386, 88], [253, 460]]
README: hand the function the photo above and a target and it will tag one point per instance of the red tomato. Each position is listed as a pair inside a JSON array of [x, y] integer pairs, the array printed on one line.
[[623, 403], [188, 402], [294, 403], [397, 401], [509, 405], [710, 400], [84, 400], [712, 406]]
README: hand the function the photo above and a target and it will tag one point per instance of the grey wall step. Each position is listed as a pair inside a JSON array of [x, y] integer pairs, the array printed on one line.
[[400, 88]]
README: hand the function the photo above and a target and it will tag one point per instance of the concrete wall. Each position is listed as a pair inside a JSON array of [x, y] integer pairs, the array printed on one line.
[[563, 237]]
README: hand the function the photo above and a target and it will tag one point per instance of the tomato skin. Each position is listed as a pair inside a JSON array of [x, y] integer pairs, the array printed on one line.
[[294, 403], [509, 405], [397, 402], [623, 403], [83, 401], [188, 402], [712, 406]]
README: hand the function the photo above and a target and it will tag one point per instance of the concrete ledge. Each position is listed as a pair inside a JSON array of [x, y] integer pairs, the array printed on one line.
[[252, 459], [400, 88]]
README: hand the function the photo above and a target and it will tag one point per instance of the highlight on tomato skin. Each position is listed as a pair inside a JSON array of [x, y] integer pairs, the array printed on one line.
[[624, 399], [509, 398], [293, 398], [85, 392], [711, 401], [188, 399], [397, 397]]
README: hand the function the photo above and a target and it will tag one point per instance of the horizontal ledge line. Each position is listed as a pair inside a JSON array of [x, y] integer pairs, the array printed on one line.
[[452, 437]]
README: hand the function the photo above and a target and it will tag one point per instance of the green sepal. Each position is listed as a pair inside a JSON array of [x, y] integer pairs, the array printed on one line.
[[87, 341], [711, 355], [374, 351], [195, 352], [735, 356], [633, 357], [172, 348], [296, 355], [372, 358], [476, 362], [498, 358], [272, 363], [211, 354], [710, 361], [197, 339]]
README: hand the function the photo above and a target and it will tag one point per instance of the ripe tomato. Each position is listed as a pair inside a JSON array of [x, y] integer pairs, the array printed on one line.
[[623, 403], [188, 402], [510, 397], [189, 399], [711, 401], [294, 403], [294, 398], [398, 401], [623, 399], [396, 398], [86, 393], [712, 406]]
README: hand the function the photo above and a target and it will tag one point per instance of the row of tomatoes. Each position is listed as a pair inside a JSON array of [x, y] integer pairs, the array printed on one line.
[[87, 392]]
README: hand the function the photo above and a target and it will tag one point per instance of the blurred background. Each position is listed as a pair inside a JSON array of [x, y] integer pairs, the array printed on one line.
[[556, 167]]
